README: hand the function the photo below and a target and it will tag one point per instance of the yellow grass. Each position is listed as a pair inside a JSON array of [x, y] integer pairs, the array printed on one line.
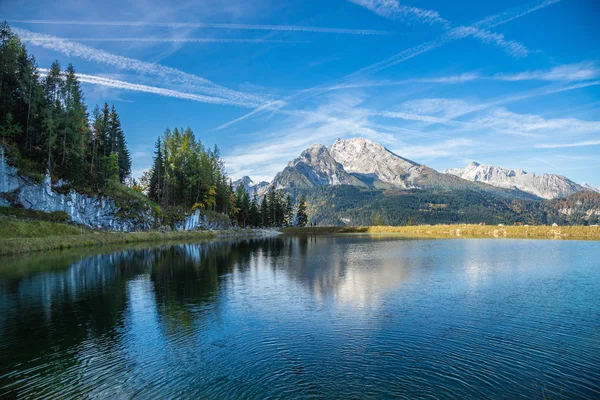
[[463, 231]]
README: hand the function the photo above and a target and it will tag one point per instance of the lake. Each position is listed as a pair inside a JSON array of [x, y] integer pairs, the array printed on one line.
[[305, 317]]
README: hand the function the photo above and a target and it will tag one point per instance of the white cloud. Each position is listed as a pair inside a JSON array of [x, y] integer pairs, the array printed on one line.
[[202, 86], [565, 145], [511, 47], [165, 40], [567, 73], [392, 9], [283, 28], [118, 84]]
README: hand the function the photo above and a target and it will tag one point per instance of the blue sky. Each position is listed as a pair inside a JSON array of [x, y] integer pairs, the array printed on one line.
[[513, 83]]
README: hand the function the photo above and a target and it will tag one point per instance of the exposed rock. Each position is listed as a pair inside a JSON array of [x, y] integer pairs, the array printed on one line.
[[94, 212], [250, 186], [374, 163], [547, 186], [315, 167]]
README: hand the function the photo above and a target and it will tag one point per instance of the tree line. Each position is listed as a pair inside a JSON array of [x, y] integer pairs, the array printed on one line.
[[45, 125], [187, 175], [46, 128], [274, 210]]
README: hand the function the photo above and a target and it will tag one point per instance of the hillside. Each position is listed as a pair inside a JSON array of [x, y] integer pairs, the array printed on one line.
[[347, 205]]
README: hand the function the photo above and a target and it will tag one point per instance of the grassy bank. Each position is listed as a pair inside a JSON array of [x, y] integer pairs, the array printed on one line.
[[462, 231], [19, 245], [22, 232]]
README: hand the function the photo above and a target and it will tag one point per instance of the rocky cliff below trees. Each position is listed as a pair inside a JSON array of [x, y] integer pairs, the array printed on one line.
[[96, 212]]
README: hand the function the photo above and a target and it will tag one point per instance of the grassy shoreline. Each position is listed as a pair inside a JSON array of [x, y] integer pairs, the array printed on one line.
[[22, 245], [460, 231], [67, 239]]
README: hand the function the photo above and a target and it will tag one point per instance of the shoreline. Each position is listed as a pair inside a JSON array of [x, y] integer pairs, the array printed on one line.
[[458, 231], [20, 245], [24, 245]]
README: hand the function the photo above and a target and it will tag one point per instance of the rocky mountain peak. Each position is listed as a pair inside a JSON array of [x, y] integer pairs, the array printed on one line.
[[548, 186], [372, 161]]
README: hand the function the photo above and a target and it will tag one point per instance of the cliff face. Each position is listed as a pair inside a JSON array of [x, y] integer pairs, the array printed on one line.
[[93, 212]]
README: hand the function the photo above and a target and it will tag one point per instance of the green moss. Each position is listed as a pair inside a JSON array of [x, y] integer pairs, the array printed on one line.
[[56, 216], [13, 227]]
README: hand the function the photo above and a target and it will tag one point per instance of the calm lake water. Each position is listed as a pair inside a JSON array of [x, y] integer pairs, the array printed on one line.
[[305, 317]]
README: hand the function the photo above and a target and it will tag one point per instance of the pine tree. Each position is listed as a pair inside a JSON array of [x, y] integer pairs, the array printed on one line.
[[156, 177], [264, 212], [254, 216], [289, 211], [302, 217]]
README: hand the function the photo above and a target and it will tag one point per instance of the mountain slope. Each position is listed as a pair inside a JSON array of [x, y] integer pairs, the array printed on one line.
[[371, 162], [313, 168], [250, 186], [348, 205], [364, 163], [547, 186]]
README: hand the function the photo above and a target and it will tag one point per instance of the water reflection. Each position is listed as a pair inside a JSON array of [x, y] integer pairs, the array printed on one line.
[[304, 316]]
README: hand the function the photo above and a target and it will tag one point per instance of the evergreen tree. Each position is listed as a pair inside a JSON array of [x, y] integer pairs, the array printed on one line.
[[156, 174], [302, 217], [254, 216], [264, 212], [289, 211]]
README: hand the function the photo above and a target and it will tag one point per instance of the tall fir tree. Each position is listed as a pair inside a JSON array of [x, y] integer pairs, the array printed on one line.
[[302, 216]]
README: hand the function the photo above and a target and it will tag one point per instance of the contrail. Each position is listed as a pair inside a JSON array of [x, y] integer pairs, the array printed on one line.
[[392, 9], [168, 40], [285, 28], [452, 35], [193, 82], [477, 29], [118, 84]]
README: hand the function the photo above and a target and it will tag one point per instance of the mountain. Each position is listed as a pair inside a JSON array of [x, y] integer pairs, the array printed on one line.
[[363, 163], [588, 187], [250, 186], [349, 205], [373, 163], [547, 186], [313, 168]]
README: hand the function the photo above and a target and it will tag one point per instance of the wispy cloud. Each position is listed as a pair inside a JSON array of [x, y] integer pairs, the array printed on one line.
[[392, 9], [567, 73], [283, 28], [478, 28], [202, 86], [118, 84], [167, 40], [565, 145], [415, 51], [511, 47]]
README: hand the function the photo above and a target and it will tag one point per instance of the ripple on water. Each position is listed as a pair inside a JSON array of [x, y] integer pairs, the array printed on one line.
[[349, 317]]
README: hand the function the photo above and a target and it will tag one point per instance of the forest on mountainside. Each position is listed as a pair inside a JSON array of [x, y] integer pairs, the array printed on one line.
[[348, 205]]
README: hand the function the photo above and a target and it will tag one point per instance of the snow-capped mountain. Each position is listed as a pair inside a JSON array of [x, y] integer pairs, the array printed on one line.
[[250, 186], [314, 167], [588, 187], [371, 162], [364, 163], [547, 186]]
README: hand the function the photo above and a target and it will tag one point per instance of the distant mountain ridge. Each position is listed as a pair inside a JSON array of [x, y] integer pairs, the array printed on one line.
[[547, 186], [363, 163], [250, 186]]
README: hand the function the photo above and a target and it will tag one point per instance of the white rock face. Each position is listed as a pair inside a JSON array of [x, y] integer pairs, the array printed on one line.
[[250, 186], [314, 167], [547, 186], [371, 160], [588, 187], [94, 212]]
